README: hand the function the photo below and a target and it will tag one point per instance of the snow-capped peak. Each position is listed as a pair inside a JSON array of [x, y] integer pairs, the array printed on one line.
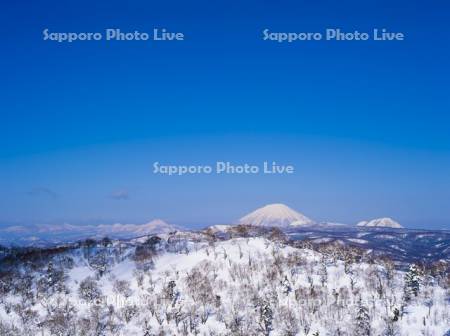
[[381, 222], [152, 227], [160, 226], [279, 215]]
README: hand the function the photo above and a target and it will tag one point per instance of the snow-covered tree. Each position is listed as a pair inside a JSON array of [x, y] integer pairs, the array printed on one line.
[[122, 287], [265, 318], [99, 262], [412, 282], [289, 321], [62, 319], [286, 286], [362, 320], [53, 280], [89, 290], [323, 272], [390, 328], [248, 286]]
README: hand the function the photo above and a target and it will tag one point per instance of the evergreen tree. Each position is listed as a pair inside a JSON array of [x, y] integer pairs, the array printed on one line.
[[170, 292], [266, 318], [396, 314], [52, 280], [412, 282], [286, 285], [89, 290], [323, 271], [362, 320]]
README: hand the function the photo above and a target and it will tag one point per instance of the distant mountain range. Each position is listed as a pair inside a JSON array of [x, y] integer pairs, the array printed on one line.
[[54, 234], [282, 216], [294, 223], [381, 222]]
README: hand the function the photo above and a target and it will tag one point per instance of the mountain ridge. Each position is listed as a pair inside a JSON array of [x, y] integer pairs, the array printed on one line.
[[46, 233], [386, 222]]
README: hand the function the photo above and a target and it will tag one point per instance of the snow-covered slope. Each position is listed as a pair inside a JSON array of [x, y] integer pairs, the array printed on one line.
[[277, 215], [381, 222], [242, 286]]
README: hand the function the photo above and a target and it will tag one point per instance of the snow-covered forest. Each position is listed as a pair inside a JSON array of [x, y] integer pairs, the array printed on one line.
[[197, 283]]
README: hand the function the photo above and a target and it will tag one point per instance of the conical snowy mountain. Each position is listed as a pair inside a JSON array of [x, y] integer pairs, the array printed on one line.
[[278, 215], [381, 222]]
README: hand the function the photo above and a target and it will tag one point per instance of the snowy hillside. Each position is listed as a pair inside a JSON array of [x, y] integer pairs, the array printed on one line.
[[276, 215], [381, 222], [193, 284]]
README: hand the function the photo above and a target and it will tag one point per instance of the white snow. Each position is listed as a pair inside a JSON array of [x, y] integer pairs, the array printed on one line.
[[219, 227], [278, 215], [240, 269], [381, 222], [356, 240]]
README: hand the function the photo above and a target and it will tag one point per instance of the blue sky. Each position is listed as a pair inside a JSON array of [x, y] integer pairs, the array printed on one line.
[[366, 124]]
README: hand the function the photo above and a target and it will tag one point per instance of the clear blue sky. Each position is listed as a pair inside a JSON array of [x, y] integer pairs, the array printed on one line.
[[367, 124]]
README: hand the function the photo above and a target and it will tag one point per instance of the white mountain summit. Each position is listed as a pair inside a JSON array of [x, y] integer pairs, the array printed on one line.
[[278, 215], [156, 226], [381, 222]]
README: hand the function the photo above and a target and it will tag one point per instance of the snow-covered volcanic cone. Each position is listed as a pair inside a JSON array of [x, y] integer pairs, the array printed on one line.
[[381, 222], [278, 215]]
